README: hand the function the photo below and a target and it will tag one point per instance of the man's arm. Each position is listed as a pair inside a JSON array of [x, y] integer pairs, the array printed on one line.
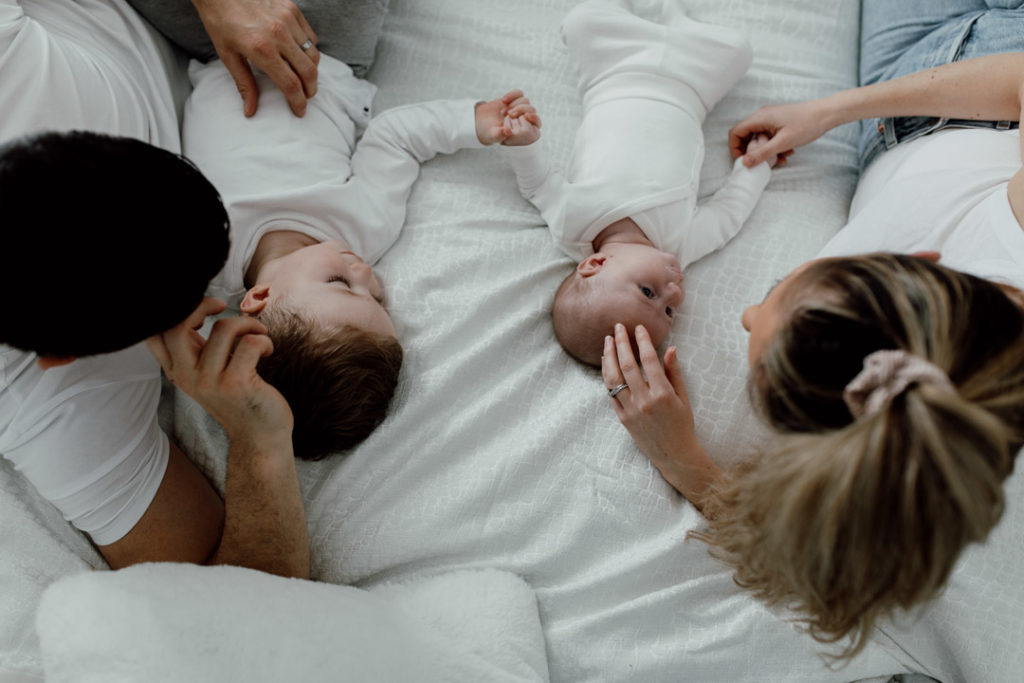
[[983, 88], [264, 523], [183, 523]]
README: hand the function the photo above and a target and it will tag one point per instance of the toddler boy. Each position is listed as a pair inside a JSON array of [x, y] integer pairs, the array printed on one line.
[[311, 210]]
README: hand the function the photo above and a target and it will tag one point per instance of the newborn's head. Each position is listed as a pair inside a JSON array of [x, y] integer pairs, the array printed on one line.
[[632, 284]]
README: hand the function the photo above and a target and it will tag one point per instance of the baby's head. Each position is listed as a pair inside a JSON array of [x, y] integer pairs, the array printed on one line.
[[336, 359], [624, 283]]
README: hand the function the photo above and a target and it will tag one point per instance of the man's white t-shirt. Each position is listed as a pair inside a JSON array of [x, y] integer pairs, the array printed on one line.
[[85, 64], [85, 434], [944, 192]]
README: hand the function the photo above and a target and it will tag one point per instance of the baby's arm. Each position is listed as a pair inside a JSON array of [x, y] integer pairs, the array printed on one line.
[[537, 181], [720, 217]]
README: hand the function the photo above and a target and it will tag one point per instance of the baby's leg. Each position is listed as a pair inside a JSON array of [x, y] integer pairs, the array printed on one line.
[[618, 52]]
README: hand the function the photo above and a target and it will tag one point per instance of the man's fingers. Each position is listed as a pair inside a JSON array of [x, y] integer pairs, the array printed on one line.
[[207, 307], [307, 30], [239, 69], [303, 61], [248, 352], [218, 348]]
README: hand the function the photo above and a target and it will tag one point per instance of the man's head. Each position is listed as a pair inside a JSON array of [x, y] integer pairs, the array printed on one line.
[[108, 241], [336, 359], [631, 284]]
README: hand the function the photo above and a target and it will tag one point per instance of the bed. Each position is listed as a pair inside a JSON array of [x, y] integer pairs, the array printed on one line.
[[500, 452]]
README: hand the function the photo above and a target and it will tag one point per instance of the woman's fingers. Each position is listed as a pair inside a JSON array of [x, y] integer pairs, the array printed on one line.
[[675, 374], [628, 365]]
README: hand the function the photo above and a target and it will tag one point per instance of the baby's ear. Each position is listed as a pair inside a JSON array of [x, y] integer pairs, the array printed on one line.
[[591, 265], [255, 299]]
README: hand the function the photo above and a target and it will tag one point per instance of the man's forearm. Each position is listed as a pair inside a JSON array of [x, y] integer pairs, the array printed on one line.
[[983, 88], [264, 522]]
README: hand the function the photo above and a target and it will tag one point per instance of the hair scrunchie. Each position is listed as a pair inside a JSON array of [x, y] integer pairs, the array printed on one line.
[[885, 376]]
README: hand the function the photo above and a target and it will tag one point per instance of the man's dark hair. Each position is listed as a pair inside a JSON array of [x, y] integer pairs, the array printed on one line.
[[107, 241], [338, 381]]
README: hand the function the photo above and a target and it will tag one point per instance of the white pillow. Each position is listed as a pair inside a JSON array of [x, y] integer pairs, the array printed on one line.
[[176, 622]]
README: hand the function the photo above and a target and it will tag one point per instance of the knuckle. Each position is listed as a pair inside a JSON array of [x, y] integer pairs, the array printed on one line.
[[279, 31], [261, 47]]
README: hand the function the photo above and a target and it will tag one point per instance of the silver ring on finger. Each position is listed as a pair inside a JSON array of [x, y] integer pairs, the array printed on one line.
[[615, 391], [306, 45]]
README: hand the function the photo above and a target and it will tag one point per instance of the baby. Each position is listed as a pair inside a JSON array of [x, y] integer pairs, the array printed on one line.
[[627, 207], [311, 210]]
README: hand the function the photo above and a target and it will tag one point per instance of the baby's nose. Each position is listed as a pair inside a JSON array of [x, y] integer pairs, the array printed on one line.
[[675, 291], [360, 271]]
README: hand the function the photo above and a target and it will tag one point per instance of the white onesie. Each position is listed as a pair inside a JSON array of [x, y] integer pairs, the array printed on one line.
[[276, 171], [646, 88]]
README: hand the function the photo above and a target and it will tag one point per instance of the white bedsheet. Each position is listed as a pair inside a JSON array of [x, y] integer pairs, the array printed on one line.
[[500, 451]]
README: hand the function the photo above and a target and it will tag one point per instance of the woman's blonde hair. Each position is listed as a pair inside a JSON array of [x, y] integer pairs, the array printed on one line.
[[846, 520]]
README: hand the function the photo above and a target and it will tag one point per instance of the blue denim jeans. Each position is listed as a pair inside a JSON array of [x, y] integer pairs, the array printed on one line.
[[899, 37]]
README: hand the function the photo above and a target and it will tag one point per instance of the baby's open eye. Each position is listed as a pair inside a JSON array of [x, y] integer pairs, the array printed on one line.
[[668, 311], [647, 291]]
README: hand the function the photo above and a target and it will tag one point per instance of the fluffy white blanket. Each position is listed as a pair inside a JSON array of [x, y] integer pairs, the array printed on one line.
[[172, 622]]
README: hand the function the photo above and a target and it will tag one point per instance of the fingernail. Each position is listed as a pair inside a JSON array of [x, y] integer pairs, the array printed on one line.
[[619, 327]]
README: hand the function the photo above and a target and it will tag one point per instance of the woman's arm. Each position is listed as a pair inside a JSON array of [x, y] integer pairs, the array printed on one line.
[[657, 413], [984, 88]]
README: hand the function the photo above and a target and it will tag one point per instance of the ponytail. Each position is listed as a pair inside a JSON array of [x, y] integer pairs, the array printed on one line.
[[848, 519]]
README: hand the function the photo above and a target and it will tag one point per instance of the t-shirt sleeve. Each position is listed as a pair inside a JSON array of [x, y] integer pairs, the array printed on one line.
[[92, 445]]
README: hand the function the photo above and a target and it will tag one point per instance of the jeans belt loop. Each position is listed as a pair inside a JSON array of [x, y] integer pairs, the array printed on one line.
[[888, 129]]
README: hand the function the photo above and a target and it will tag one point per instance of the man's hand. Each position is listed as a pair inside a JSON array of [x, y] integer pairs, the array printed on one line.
[[270, 34], [788, 125], [493, 119], [220, 374]]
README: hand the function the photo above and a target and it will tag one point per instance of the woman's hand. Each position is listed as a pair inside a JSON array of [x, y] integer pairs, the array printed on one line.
[[274, 36], [788, 125], [656, 412]]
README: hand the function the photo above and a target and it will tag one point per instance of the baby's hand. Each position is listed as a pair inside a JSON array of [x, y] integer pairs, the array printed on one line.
[[759, 140], [493, 119], [523, 132]]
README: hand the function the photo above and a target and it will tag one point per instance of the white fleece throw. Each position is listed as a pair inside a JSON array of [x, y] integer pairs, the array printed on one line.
[[175, 622]]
